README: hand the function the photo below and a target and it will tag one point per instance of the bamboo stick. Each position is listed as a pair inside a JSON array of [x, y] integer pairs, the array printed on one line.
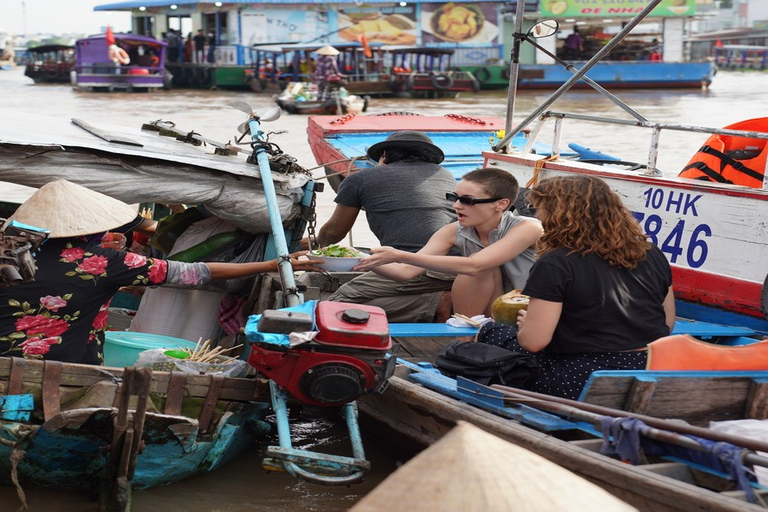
[[467, 319], [558, 405]]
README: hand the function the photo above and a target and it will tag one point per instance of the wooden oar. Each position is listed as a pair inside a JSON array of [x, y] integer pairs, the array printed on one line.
[[564, 406]]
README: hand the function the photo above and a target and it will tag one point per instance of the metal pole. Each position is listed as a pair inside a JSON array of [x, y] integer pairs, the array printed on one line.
[[577, 76], [514, 65], [284, 267]]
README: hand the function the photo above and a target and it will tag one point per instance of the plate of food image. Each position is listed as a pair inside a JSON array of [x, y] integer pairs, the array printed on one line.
[[392, 29], [459, 23]]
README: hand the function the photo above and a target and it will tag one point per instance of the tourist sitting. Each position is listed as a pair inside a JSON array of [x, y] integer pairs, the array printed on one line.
[[600, 292], [496, 246], [62, 314]]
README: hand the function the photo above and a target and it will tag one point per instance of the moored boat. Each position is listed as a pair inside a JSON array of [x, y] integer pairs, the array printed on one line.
[[52, 63], [122, 62], [423, 406]]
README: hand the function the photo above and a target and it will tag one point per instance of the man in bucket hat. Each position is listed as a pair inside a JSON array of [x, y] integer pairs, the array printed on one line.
[[62, 314], [404, 202]]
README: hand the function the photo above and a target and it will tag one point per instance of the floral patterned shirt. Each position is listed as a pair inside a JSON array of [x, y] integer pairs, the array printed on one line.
[[62, 315]]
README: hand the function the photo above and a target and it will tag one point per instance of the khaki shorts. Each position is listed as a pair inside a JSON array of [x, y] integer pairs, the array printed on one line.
[[410, 301]]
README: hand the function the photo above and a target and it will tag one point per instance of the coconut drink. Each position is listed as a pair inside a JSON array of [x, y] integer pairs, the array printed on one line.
[[505, 307]]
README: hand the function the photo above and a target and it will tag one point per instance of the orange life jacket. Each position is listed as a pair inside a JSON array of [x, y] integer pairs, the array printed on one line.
[[729, 159], [683, 352]]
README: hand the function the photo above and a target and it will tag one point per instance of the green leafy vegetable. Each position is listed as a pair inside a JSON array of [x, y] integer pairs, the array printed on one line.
[[336, 251]]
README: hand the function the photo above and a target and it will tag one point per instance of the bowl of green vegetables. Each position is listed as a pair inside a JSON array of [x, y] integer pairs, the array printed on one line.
[[335, 258]]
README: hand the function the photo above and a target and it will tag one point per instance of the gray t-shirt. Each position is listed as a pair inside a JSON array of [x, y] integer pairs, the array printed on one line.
[[515, 271], [404, 202]]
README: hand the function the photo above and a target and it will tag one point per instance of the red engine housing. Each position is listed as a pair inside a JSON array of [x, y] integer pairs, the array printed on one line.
[[348, 357]]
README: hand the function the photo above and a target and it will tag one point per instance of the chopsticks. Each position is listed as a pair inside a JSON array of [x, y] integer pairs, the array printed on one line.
[[467, 319]]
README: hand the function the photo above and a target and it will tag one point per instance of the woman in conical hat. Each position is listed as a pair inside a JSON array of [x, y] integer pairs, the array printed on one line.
[[326, 71], [62, 314]]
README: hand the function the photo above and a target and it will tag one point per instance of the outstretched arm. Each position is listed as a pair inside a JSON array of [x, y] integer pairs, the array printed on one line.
[[222, 271], [433, 256]]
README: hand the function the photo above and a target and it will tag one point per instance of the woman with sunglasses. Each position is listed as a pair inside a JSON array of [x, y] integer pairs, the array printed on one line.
[[496, 246], [599, 290]]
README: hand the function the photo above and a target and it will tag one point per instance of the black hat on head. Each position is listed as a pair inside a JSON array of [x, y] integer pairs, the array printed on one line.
[[408, 139]]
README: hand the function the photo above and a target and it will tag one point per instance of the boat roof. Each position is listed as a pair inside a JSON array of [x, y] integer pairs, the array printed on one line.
[[290, 46], [124, 38], [50, 48]]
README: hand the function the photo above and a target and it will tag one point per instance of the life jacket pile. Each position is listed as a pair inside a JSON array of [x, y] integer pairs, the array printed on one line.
[[729, 159]]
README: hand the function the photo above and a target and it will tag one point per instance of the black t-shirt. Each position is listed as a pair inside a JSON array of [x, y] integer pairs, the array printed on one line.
[[605, 308]]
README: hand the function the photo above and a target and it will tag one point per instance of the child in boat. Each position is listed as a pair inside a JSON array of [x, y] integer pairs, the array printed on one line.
[[496, 246], [62, 314], [599, 291]]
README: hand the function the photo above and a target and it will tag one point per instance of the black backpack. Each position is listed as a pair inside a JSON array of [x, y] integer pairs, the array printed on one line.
[[487, 364]]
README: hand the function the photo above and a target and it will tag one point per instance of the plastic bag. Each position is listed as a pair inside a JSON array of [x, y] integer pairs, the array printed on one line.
[[157, 360]]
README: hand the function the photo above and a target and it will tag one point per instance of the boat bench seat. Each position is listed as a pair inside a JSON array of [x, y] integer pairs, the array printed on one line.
[[429, 330], [722, 333]]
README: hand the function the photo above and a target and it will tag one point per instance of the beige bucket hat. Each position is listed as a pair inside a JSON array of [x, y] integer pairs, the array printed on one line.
[[470, 470], [327, 50], [68, 209]]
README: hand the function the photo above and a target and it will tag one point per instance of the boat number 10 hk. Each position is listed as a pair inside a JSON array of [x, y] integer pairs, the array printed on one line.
[[675, 241]]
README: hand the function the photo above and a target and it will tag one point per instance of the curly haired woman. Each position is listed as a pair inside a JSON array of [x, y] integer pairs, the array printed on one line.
[[599, 290]]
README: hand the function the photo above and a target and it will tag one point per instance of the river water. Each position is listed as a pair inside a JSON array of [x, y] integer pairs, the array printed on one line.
[[242, 485]]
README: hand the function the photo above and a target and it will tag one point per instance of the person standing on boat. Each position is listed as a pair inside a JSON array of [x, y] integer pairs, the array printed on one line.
[[404, 202], [497, 247], [599, 291], [574, 45], [62, 314], [200, 41], [327, 74]]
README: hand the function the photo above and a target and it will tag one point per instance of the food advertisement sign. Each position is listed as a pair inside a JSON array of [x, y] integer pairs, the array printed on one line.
[[386, 24], [452, 22], [614, 8]]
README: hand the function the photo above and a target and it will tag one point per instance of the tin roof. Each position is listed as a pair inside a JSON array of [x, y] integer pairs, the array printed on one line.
[[135, 4]]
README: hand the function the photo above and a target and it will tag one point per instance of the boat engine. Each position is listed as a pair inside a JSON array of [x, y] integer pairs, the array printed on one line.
[[349, 355], [17, 243]]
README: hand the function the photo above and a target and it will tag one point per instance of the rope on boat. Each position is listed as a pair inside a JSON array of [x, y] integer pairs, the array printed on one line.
[[537, 168], [466, 119], [16, 456]]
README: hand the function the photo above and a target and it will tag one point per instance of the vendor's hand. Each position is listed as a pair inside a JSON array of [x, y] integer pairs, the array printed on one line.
[[300, 263], [379, 256], [521, 318]]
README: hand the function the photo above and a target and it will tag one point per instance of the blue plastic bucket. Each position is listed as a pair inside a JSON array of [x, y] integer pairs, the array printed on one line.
[[122, 348]]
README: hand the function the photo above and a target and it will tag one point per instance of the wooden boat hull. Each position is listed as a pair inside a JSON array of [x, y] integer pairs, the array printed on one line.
[[424, 415], [340, 145], [714, 235], [62, 422]]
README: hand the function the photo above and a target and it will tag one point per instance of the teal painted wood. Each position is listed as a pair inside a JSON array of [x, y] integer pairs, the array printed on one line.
[[67, 453], [16, 407]]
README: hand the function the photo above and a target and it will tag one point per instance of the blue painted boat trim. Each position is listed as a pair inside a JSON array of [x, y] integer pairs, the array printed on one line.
[[613, 74], [462, 149], [16, 407]]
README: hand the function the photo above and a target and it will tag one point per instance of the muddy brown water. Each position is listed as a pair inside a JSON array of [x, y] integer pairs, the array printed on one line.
[[242, 485]]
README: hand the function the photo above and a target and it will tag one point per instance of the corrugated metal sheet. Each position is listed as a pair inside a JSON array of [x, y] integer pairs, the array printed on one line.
[[135, 4]]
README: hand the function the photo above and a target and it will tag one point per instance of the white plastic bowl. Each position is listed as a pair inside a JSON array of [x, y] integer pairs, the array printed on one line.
[[331, 264]]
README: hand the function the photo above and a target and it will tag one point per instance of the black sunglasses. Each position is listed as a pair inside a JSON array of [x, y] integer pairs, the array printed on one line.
[[469, 201]]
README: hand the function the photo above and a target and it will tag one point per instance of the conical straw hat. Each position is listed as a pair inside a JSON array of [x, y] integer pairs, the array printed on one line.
[[328, 50], [68, 209], [470, 470]]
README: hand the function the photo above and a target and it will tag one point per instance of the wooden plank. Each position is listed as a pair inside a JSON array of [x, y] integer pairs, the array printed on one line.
[[109, 137], [50, 392], [757, 400], [640, 395], [17, 376], [83, 375], [676, 470]]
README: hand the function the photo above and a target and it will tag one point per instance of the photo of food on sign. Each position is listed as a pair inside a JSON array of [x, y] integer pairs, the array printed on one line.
[[454, 22], [387, 25]]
